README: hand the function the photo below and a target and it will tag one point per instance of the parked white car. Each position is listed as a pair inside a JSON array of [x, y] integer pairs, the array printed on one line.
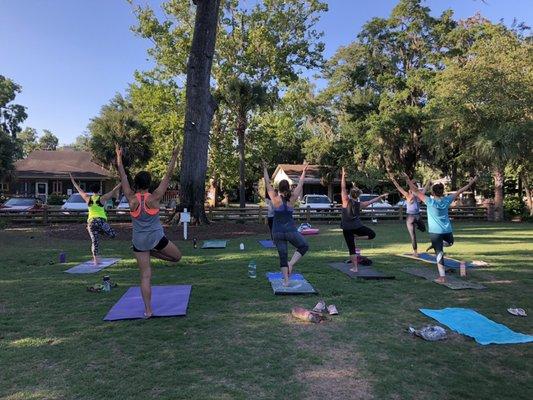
[[378, 208], [123, 206], [75, 203], [316, 201]]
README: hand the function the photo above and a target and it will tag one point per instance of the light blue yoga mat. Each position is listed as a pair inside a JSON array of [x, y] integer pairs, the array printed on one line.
[[483, 330], [214, 244], [89, 268], [273, 276], [267, 244]]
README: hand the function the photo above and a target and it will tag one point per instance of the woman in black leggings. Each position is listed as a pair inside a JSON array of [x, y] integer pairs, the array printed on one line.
[[351, 225], [413, 220]]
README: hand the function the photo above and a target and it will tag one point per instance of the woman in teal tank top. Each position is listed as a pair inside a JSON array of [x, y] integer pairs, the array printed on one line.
[[97, 219]]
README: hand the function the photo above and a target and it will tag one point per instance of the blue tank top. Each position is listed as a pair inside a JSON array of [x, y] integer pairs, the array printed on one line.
[[283, 219], [412, 207]]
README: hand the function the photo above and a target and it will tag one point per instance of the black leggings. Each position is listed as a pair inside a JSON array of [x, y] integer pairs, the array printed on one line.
[[350, 235], [437, 242], [96, 226], [413, 222]]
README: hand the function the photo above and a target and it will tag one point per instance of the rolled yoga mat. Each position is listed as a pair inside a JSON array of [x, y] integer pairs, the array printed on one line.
[[452, 282], [89, 268], [214, 244], [468, 322], [364, 271], [298, 284], [167, 301]]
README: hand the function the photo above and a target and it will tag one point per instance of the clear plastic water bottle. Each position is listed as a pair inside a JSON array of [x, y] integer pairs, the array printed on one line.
[[106, 284], [241, 246], [252, 269]]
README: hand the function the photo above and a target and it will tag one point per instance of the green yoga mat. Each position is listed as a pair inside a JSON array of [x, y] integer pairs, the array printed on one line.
[[452, 282], [214, 244]]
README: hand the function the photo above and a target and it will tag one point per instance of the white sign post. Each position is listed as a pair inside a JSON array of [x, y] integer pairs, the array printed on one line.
[[185, 217]]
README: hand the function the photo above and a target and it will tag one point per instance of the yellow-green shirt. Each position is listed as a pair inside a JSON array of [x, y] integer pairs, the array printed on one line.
[[96, 208]]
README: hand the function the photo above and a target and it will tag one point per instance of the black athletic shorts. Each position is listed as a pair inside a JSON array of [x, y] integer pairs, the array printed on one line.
[[159, 246]]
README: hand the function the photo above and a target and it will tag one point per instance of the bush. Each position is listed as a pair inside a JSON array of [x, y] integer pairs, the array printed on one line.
[[3, 224], [513, 207], [56, 199]]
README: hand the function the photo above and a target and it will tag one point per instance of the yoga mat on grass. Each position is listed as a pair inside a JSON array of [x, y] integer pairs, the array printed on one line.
[[298, 284], [214, 244], [267, 244], [364, 271], [483, 330], [89, 268], [310, 231], [452, 282], [430, 258], [167, 301]]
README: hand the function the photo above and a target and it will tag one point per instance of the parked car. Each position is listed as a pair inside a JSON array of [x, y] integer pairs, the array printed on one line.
[[22, 205], [123, 206], [316, 201], [379, 208], [402, 203], [75, 203]]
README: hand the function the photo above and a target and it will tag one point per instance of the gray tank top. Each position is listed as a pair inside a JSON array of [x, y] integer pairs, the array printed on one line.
[[350, 218], [147, 229], [412, 207]]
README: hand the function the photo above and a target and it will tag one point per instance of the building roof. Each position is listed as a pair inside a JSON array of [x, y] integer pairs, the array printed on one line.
[[57, 164], [293, 171]]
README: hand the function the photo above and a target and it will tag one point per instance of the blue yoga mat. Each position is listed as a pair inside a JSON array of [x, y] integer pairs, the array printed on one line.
[[483, 330], [272, 276], [267, 244], [448, 262]]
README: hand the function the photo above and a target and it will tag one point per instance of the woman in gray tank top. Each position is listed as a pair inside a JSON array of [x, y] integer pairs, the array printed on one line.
[[413, 220], [351, 224], [148, 239]]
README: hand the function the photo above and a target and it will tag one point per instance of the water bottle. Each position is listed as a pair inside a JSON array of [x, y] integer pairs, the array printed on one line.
[[62, 257], [106, 284], [241, 246], [252, 269], [195, 243]]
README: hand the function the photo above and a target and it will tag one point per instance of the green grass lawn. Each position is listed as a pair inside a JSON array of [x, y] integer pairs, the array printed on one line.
[[239, 341]]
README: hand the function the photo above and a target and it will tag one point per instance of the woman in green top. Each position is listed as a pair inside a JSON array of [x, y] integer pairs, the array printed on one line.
[[97, 219]]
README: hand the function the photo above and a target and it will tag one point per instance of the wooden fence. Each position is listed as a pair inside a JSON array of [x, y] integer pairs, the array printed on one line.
[[244, 215]]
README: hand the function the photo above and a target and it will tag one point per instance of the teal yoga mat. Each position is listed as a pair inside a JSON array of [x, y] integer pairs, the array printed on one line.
[[483, 330], [214, 244]]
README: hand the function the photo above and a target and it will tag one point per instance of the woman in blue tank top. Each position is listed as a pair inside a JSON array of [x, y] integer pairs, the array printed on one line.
[[283, 227], [440, 227], [413, 219]]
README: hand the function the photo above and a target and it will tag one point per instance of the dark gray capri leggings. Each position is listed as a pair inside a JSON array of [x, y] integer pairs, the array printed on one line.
[[294, 238], [413, 222], [438, 239]]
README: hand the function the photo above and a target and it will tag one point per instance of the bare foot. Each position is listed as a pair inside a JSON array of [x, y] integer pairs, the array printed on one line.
[[441, 279], [415, 254], [96, 261], [148, 314], [286, 283], [354, 269]]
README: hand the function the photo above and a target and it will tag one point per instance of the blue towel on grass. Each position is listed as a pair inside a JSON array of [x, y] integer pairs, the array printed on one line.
[[272, 276], [483, 330]]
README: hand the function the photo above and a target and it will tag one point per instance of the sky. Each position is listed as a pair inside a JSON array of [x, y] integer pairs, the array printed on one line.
[[72, 56]]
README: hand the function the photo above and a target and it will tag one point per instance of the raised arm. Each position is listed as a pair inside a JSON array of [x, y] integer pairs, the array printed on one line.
[[163, 186], [268, 185], [299, 188], [109, 194], [470, 183], [130, 195], [364, 204], [344, 192], [414, 188], [399, 188], [82, 193]]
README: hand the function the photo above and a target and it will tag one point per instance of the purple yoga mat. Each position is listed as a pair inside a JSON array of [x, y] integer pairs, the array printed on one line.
[[167, 301]]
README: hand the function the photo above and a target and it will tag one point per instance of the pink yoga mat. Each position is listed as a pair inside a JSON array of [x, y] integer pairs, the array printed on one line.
[[167, 301], [310, 231]]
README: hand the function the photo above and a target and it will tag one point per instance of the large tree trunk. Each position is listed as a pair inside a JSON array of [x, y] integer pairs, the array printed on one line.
[[498, 176], [241, 131], [200, 108]]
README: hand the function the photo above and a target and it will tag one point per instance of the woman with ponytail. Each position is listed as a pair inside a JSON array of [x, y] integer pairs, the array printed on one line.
[[351, 224], [283, 227]]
